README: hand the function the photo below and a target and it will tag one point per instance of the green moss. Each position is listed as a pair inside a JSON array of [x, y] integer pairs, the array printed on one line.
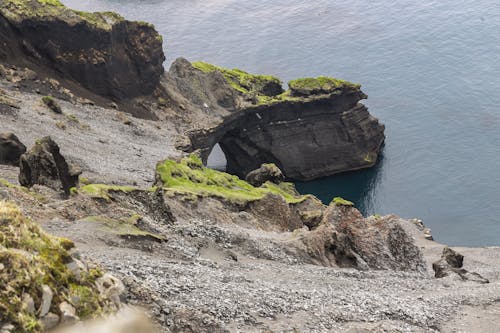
[[103, 191], [190, 178], [51, 3], [19, 10], [40, 198], [30, 258], [240, 80], [342, 202], [124, 227], [321, 84]]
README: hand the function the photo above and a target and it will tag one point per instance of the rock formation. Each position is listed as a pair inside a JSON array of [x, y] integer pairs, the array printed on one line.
[[315, 129], [266, 172], [451, 264], [11, 149], [103, 52], [43, 164]]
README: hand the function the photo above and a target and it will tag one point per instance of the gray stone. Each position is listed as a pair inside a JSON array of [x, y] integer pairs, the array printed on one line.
[[49, 321], [28, 303], [47, 295], [68, 313]]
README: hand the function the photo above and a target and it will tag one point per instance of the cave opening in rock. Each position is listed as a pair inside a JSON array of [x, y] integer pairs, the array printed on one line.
[[217, 159]]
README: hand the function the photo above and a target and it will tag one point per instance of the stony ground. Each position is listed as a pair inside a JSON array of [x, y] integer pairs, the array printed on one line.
[[214, 277]]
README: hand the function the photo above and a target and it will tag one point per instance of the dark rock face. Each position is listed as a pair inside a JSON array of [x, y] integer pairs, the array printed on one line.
[[307, 137], [103, 52], [43, 164], [266, 172], [11, 149], [451, 263]]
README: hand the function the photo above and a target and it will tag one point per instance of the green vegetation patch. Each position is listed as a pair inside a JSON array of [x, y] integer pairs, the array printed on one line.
[[318, 85], [124, 227], [30, 258], [34, 195], [342, 202], [190, 178], [103, 191], [242, 81], [19, 10]]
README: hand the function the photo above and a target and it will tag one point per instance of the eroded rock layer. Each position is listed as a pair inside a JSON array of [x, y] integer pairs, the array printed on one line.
[[315, 129], [103, 52]]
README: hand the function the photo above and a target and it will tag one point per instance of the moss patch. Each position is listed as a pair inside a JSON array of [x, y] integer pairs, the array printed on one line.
[[242, 81], [34, 195], [30, 258], [190, 178], [126, 227], [318, 85], [342, 202], [103, 191], [19, 10]]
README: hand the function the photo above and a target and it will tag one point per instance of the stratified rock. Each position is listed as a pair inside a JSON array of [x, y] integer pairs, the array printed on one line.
[[309, 133], [451, 263], [45, 165], [11, 149], [102, 51], [266, 172]]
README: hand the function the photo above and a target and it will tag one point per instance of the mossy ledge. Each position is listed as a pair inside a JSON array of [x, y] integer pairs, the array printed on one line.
[[19, 10], [30, 258], [103, 191], [267, 89], [188, 177]]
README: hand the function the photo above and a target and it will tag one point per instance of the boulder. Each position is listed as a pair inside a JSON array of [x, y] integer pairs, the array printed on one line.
[[266, 172], [451, 264], [377, 243], [47, 295], [11, 149], [43, 164], [103, 52]]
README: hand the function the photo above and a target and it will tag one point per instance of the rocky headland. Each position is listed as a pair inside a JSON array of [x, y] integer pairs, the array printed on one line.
[[105, 201]]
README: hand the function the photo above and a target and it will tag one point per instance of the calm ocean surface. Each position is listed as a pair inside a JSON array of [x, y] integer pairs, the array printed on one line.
[[431, 70]]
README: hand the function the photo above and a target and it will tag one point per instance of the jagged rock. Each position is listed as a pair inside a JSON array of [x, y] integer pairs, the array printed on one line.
[[110, 288], [11, 149], [266, 172], [49, 321], [379, 243], [28, 303], [76, 267], [451, 263], [44, 165], [51, 104], [68, 313], [47, 295], [102, 51]]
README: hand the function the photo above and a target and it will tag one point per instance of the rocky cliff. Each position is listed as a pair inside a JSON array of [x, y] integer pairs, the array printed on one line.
[[103, 52], [316, 128]]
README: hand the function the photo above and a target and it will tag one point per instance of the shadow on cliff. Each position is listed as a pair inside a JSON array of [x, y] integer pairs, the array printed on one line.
[[359, 187]]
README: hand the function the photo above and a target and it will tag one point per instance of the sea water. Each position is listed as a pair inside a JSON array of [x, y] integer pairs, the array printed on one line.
[[431, 70]]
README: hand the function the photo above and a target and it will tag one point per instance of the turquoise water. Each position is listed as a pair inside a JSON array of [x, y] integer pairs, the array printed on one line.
[[431, 70]]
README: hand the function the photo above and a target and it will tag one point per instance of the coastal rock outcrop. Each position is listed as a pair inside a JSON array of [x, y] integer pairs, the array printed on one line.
[[11, 149], [43, 164], [316, 128], [103, 52]]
